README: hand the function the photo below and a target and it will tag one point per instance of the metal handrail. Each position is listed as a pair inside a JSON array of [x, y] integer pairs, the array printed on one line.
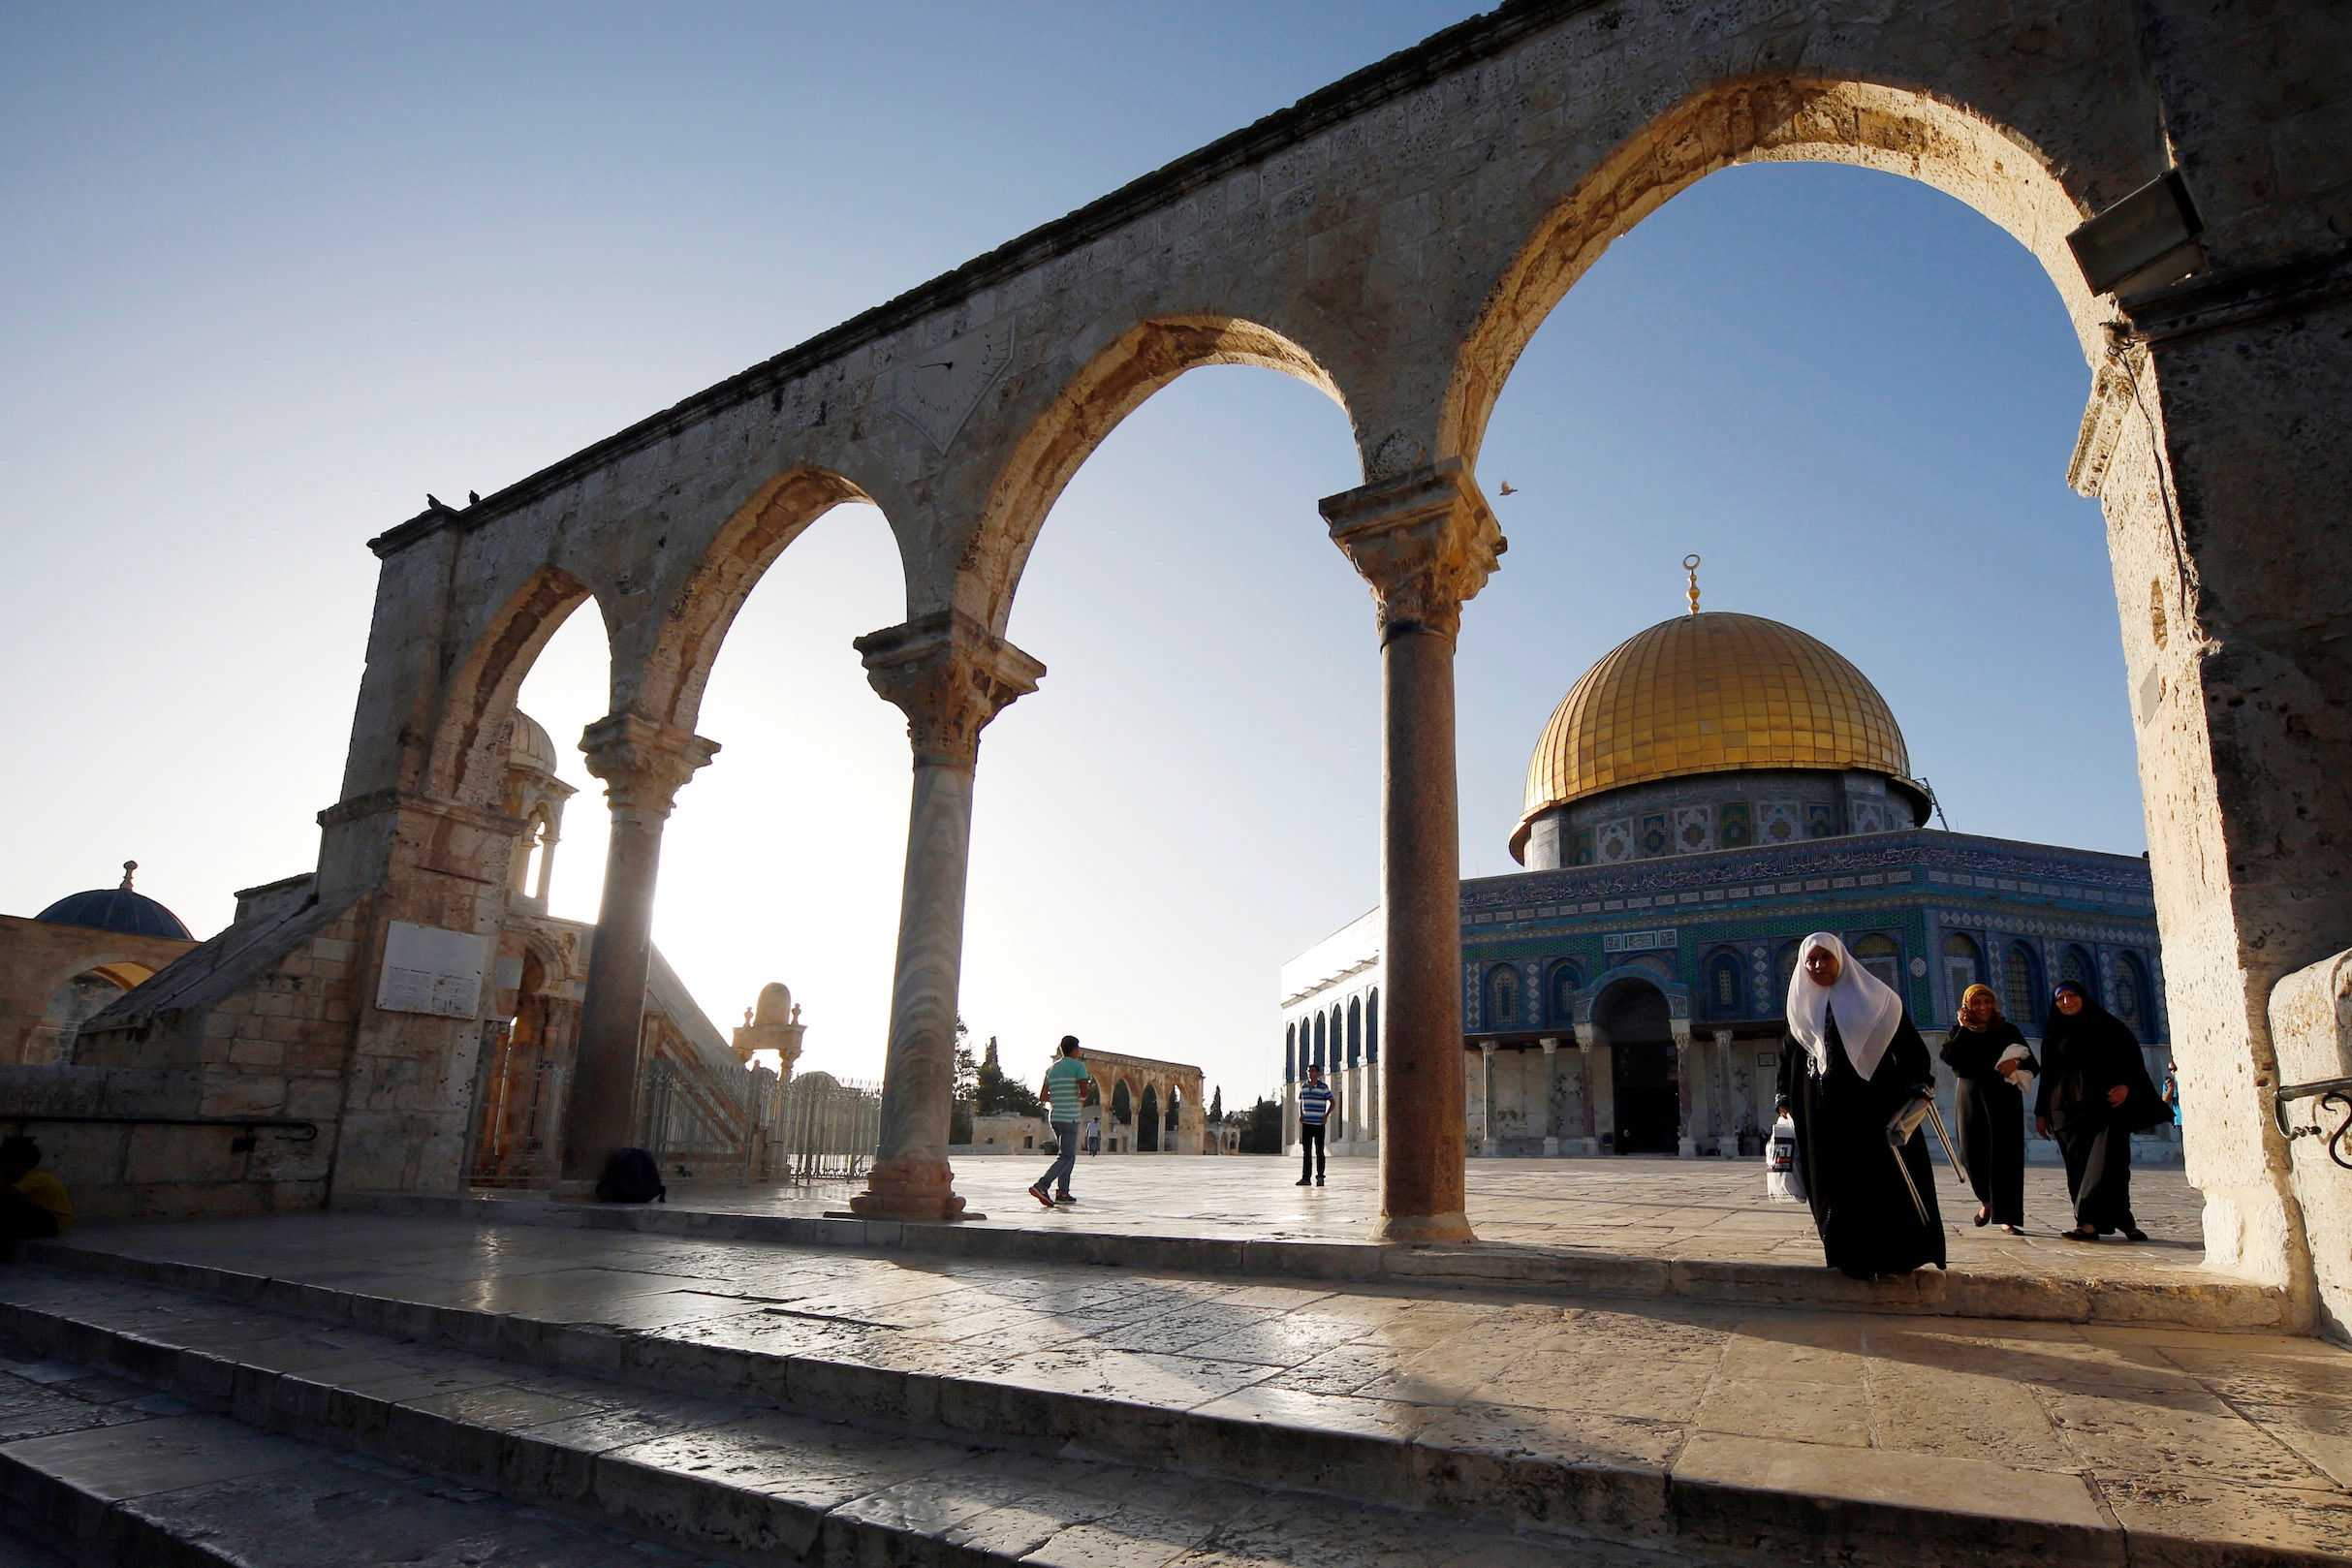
[[308, 1130], [2329, 1092]]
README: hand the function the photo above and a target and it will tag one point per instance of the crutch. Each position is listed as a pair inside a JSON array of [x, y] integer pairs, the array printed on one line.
[[1905, 1122], [1950, 1153]]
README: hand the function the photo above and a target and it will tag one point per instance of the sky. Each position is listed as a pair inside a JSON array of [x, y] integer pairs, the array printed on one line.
[[271, 275]]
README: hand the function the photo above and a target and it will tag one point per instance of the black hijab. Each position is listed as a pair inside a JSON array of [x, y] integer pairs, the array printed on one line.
[[2087, 1054]]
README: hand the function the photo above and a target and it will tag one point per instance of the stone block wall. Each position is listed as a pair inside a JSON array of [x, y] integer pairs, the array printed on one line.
[[128, 1171], [2312, 1029]]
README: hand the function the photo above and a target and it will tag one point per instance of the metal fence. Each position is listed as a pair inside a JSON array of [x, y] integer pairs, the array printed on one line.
[[822, 1128]]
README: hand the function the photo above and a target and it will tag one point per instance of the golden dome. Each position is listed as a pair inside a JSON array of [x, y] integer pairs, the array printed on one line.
[[1710, 693]]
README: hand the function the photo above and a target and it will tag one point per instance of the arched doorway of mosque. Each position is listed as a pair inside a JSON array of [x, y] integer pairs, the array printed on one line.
[[1649, 1100]]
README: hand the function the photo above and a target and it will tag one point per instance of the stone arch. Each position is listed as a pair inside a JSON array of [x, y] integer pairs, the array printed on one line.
[[666, 685], [1115, 382], [1355, 1031], [1147, 1120], [1767, 119], [468, 762]]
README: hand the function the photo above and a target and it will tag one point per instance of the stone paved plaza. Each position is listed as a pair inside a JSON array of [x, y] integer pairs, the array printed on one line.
[[2166, 1434], [1706, 1209]]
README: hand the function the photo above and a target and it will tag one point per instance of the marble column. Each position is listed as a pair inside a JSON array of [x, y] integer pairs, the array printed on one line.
[[643, 765], [952, 675], [1486, 1099], [1542, 1118], [1685, 1090], [1425, 541]]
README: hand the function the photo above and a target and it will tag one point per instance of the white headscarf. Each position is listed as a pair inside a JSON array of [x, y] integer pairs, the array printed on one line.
[[1867, 1008]]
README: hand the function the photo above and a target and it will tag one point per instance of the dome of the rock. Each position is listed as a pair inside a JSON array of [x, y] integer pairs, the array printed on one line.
[[1712, 693]]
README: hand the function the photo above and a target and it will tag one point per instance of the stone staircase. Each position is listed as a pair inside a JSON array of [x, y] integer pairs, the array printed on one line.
[[733, 1419], [215, 1432]]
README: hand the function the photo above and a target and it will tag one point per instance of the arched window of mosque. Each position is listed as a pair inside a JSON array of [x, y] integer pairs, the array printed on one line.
[[2132, 994], [1502, 996], [1883, 957], [1354, 1033], [1371, 1027], [2073, 964], [1784, 970], [1175, 1103], [1964, 965], [2020, 985], [1724, 991], [1339, 1036], [1565, 984], [1318, 1040], [1289, 1055], [1147, 1121]]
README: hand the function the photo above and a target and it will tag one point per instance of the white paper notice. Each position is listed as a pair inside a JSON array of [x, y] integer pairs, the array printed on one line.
[[431, 971]]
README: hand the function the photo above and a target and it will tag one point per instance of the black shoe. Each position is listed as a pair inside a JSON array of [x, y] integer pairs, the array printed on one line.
[[1983, 1217], [2131, 1234], [1063, 1198], [1318, 1181], [1041, 1196]]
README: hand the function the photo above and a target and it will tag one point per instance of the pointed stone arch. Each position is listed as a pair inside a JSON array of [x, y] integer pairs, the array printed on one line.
[[1113, 384], [468, 759]]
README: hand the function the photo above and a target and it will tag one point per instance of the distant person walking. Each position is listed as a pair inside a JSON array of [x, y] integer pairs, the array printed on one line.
[[1988, 1054], [1315, 1109], [2095, 1095], [1065, 1095]]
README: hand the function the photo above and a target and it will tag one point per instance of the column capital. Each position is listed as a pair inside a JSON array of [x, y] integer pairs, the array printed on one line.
[[1426, 541], [642, 763], [1550, 1042], [952, 675], [1723, 1037]]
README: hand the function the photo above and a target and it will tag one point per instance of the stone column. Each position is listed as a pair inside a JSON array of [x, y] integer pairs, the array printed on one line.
[[1542, 1119], [1600, 1084], [952, 675], [643, 765], [1425, 541], [1486, 1099], [1723, 1106], [1685, 1145]]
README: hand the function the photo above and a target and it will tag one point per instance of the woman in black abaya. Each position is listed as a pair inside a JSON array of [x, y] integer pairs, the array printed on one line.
[[2094, 1094], [1851, 1061], [1988, 1053]]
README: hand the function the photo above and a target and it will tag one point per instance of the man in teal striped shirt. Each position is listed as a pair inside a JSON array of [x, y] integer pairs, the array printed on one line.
[[1065, 1092]]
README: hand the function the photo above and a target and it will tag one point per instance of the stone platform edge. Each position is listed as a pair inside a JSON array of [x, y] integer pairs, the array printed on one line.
[[2216, 1303]]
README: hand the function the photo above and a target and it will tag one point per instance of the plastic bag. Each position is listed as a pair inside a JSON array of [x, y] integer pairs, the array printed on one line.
[[1783, 1177]]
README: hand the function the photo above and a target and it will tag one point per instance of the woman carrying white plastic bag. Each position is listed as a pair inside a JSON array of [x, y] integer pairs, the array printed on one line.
[[1783, 1179]]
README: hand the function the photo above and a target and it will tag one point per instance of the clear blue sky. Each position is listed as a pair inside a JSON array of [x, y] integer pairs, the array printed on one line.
[[271, 275]]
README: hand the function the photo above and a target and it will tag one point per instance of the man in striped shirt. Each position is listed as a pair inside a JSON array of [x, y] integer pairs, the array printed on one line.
[[1315, 1109], [1064, 1093]]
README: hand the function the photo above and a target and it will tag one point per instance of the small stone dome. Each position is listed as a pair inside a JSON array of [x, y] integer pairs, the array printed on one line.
[[117, 909], [529, 746], [1710, 692]]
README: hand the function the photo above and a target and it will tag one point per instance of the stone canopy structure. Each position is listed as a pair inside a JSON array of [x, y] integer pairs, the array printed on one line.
[[1394, 240], [1709, 792]]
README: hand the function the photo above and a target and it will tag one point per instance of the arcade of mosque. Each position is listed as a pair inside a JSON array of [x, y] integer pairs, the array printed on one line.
[[706, 1105], [1712, 790]]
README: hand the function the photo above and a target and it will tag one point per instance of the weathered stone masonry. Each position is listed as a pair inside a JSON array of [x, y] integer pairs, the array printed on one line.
[[1394, 240]]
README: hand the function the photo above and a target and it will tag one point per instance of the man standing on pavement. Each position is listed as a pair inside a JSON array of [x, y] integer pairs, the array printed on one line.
[[1314, 1109], [1064, 1092]]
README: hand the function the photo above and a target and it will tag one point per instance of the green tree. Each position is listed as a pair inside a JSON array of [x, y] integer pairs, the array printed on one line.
[[1216, 1106], [967, 1080], [995, 1095], [1262, 1128]]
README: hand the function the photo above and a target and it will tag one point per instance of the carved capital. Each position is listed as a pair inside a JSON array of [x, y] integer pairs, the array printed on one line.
[[644, 764], [952, 675], [1426, 541]]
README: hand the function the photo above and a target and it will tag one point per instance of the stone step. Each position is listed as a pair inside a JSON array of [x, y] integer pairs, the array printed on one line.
[[1719, 1494], [740, 1481], [101, 1471], [2211, 1303]]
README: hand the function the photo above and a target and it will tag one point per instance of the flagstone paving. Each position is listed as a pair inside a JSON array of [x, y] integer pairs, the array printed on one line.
[[2169, 1433], [1710, 1209]]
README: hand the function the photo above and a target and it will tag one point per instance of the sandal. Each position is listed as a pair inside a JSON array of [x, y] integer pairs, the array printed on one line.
[[2130, 1234], [2013, 1230], [2081, 1232], [1983, 1217]]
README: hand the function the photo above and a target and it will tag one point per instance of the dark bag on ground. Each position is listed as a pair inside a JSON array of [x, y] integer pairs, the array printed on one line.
[[631, 1178]]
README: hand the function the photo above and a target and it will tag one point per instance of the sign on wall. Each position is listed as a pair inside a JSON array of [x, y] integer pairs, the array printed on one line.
[[1638, 941], [427, 969]]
